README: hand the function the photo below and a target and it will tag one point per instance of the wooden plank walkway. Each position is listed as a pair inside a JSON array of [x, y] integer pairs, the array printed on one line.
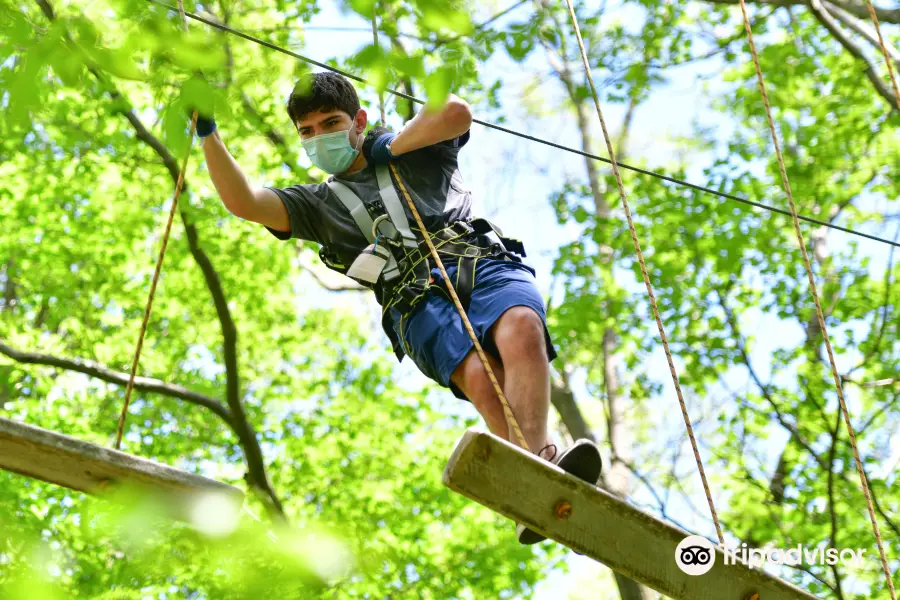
[[78, 465], [518, 485]]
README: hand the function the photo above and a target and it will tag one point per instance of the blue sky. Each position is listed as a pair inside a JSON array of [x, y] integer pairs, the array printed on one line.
[[512, 179]]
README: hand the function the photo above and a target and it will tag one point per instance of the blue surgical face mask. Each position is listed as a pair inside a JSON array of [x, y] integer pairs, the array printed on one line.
[[332, 152]]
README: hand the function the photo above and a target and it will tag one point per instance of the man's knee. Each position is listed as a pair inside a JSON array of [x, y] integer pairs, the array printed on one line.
[[471, 377], [520, 330]]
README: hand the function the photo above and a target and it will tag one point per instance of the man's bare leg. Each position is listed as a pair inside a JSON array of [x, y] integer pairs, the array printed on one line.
[[524, 378], [472, 379], [519, 337]]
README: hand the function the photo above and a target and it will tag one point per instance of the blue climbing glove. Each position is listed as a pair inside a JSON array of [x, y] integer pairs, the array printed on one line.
[[205, 126], [375, 146]]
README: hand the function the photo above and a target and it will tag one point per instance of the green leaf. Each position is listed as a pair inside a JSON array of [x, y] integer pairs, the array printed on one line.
[[23, 89], [409, 66], [196, 50], [443, 17], [175, 124], [437, 86], [116, 62], [519, 43], [197, 94]]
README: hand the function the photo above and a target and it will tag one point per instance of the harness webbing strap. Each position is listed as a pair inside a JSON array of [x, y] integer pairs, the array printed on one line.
[[356, 207], [407, 274], [465, 280], [483, 226], [393, 206], [363, 220]]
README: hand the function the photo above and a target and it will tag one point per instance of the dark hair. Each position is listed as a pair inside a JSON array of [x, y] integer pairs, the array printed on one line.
[[322, 92]]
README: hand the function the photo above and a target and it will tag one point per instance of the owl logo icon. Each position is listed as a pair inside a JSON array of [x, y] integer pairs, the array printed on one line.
[[695, 555]]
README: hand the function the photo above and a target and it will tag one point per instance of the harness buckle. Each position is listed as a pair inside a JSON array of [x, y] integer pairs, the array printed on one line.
[[389, 233]]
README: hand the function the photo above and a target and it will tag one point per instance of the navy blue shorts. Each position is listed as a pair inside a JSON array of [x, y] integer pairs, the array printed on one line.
[[434, 335]]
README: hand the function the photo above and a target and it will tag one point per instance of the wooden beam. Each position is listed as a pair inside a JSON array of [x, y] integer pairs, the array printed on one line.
[[524, 488], [77, 465]]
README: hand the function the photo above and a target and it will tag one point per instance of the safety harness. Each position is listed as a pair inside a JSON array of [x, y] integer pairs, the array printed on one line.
[[406, 277]]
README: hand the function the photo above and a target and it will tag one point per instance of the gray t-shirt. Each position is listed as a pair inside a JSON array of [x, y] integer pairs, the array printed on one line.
[[431, 176]]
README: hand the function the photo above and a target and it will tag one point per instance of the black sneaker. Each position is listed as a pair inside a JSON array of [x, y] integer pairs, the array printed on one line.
[[582, 459]]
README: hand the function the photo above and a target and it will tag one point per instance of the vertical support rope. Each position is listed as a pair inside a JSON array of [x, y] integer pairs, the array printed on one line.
[[815, 294], [159, 261], [640, 256], [884, 563], [510, 417], [887, 58]]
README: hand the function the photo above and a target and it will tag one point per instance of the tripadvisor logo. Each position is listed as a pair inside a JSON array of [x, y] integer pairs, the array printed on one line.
[[696, 555]]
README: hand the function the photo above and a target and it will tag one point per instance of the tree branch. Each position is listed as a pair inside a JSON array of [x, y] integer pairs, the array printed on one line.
[[397, 45], [872, 384], [477, 29], [886, 407], [825, 18], [616, 477], [622, 143], [857, 8], [271, 134], [340, 283], [862, 29], [763, 388], [563, 399], [661, 502], [289, 157], [143, 384], [257, 477], [887, 519], [9, 289], [560, 65], [876, 346]]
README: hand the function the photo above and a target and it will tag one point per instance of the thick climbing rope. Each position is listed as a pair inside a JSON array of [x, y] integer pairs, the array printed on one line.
[[884, 563], [159, 262], [531, 138], [510, 417], [815, 294], [640, 257]]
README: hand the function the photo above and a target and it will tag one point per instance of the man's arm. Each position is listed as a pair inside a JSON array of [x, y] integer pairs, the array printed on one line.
[[259, 205], [432, 127]]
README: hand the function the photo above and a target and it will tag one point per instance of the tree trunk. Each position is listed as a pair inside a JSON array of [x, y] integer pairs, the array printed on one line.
[[9, 289]]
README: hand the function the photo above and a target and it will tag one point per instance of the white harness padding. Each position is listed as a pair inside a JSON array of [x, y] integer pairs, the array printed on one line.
[[364, 221]]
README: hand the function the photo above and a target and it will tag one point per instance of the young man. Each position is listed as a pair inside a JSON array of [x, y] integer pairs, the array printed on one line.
[[365, 229]]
